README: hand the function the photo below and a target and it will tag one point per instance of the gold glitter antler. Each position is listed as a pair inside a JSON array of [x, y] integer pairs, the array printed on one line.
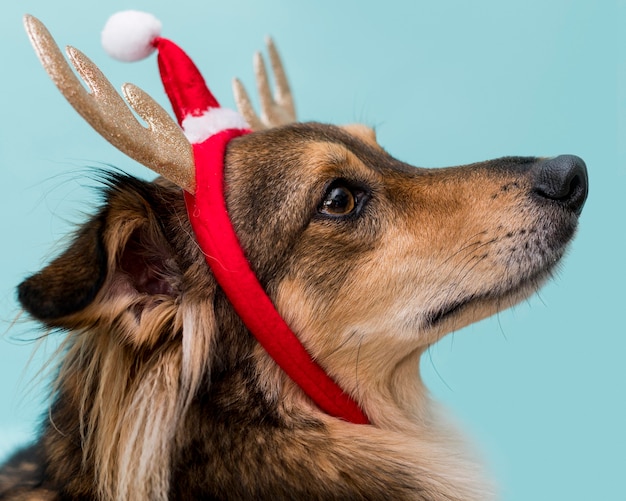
[[275, 110], [161, 146]]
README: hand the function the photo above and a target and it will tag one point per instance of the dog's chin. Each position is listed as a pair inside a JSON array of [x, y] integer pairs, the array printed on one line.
[[473, 308]]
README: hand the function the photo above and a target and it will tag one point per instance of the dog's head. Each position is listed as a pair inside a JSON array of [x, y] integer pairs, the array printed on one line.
[[367, 258]]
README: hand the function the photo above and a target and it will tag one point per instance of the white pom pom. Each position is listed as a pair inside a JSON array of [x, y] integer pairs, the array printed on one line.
[[128, 35]]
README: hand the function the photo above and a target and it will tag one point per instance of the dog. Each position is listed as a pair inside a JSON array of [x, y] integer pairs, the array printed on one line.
[[162, 393]]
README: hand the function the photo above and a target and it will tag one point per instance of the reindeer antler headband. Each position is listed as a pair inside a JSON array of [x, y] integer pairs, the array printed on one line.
[[193, 159]]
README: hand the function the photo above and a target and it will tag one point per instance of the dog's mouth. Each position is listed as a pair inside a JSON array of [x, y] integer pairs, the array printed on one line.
[[502, 298], [436, 317]]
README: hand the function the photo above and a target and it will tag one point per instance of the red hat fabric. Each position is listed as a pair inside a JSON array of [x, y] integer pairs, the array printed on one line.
[[183, 83]]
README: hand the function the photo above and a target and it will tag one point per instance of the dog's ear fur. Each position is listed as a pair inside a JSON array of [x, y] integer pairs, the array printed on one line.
[[70, 282], [121, 254]]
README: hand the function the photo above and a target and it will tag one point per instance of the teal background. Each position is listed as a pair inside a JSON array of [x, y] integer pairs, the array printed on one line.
[[540, 388]]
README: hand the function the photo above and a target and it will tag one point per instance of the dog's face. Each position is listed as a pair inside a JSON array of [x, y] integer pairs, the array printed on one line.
[[368, 259], [363, 255]]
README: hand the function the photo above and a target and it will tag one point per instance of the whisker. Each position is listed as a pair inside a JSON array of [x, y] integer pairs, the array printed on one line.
[[468, 259], [466, 245], [432, 363], [356, 369]]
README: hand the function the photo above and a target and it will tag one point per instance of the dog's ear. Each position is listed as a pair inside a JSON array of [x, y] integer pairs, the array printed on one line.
[[120, 262], [362, 132], [70, 282]]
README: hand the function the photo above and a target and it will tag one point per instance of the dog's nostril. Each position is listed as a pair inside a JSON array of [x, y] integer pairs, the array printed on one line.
[[564, 180]]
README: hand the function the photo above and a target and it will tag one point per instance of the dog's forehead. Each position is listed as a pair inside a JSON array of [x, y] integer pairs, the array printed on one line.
[[332, 146], [357, 145]]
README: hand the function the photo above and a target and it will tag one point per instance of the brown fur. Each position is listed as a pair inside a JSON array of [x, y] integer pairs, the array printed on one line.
[[163, 394]]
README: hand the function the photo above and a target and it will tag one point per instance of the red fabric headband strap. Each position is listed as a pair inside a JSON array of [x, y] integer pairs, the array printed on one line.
[[224, 255]]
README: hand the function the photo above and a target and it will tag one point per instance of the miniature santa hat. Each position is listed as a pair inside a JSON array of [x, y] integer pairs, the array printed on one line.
[[131, 36]]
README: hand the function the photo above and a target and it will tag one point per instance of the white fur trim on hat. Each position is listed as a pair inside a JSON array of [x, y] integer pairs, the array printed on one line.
[[212, 121], [128, 35]]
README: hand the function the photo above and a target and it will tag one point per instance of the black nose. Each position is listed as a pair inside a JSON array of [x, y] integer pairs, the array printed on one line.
[[563, 179]]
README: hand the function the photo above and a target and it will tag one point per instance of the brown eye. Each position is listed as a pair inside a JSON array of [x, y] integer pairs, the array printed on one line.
[[339, 201], [343, 199]]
